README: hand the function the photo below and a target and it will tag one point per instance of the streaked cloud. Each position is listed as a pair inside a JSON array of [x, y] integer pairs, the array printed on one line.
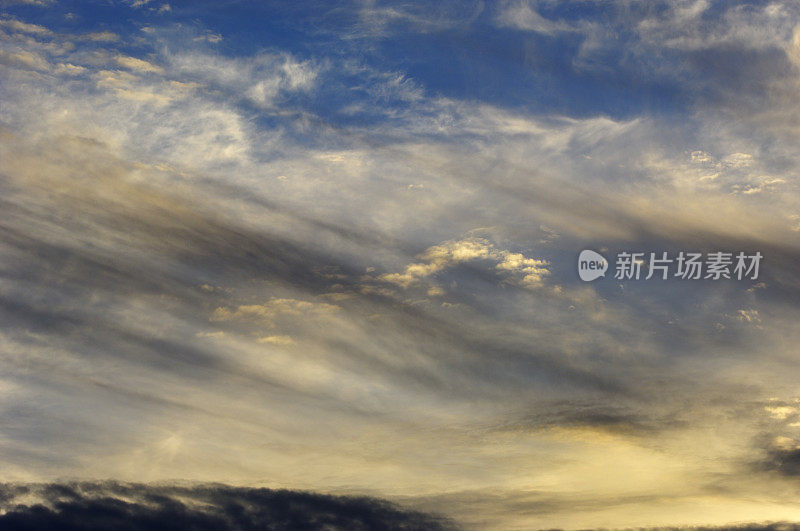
[[324, 263]]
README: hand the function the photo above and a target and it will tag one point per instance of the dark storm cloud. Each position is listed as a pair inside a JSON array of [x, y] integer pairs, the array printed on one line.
[[101, 506], [785, 461]]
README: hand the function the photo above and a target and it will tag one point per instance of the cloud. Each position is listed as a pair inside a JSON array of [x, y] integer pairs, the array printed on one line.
[[262, 79], [101, 36], [96, 505], [525, 271], [24, 59], [276, 340], [323, 267], [523, 16], [781, 454], [129, 87], [275, 309], [24, 27], [139, 65], [29, 2], [378, 19], [682, 25]]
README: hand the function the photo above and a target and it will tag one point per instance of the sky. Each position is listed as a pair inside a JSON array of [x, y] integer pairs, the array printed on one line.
[[332, 248]]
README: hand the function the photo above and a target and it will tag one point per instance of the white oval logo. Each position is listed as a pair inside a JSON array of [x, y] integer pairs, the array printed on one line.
[[591, 265]]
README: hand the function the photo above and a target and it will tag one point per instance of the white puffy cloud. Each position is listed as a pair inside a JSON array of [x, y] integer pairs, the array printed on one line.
[[528, 272]]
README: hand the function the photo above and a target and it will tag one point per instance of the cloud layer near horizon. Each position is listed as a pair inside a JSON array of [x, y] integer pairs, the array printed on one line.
[[111, 505], [334, 263]]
